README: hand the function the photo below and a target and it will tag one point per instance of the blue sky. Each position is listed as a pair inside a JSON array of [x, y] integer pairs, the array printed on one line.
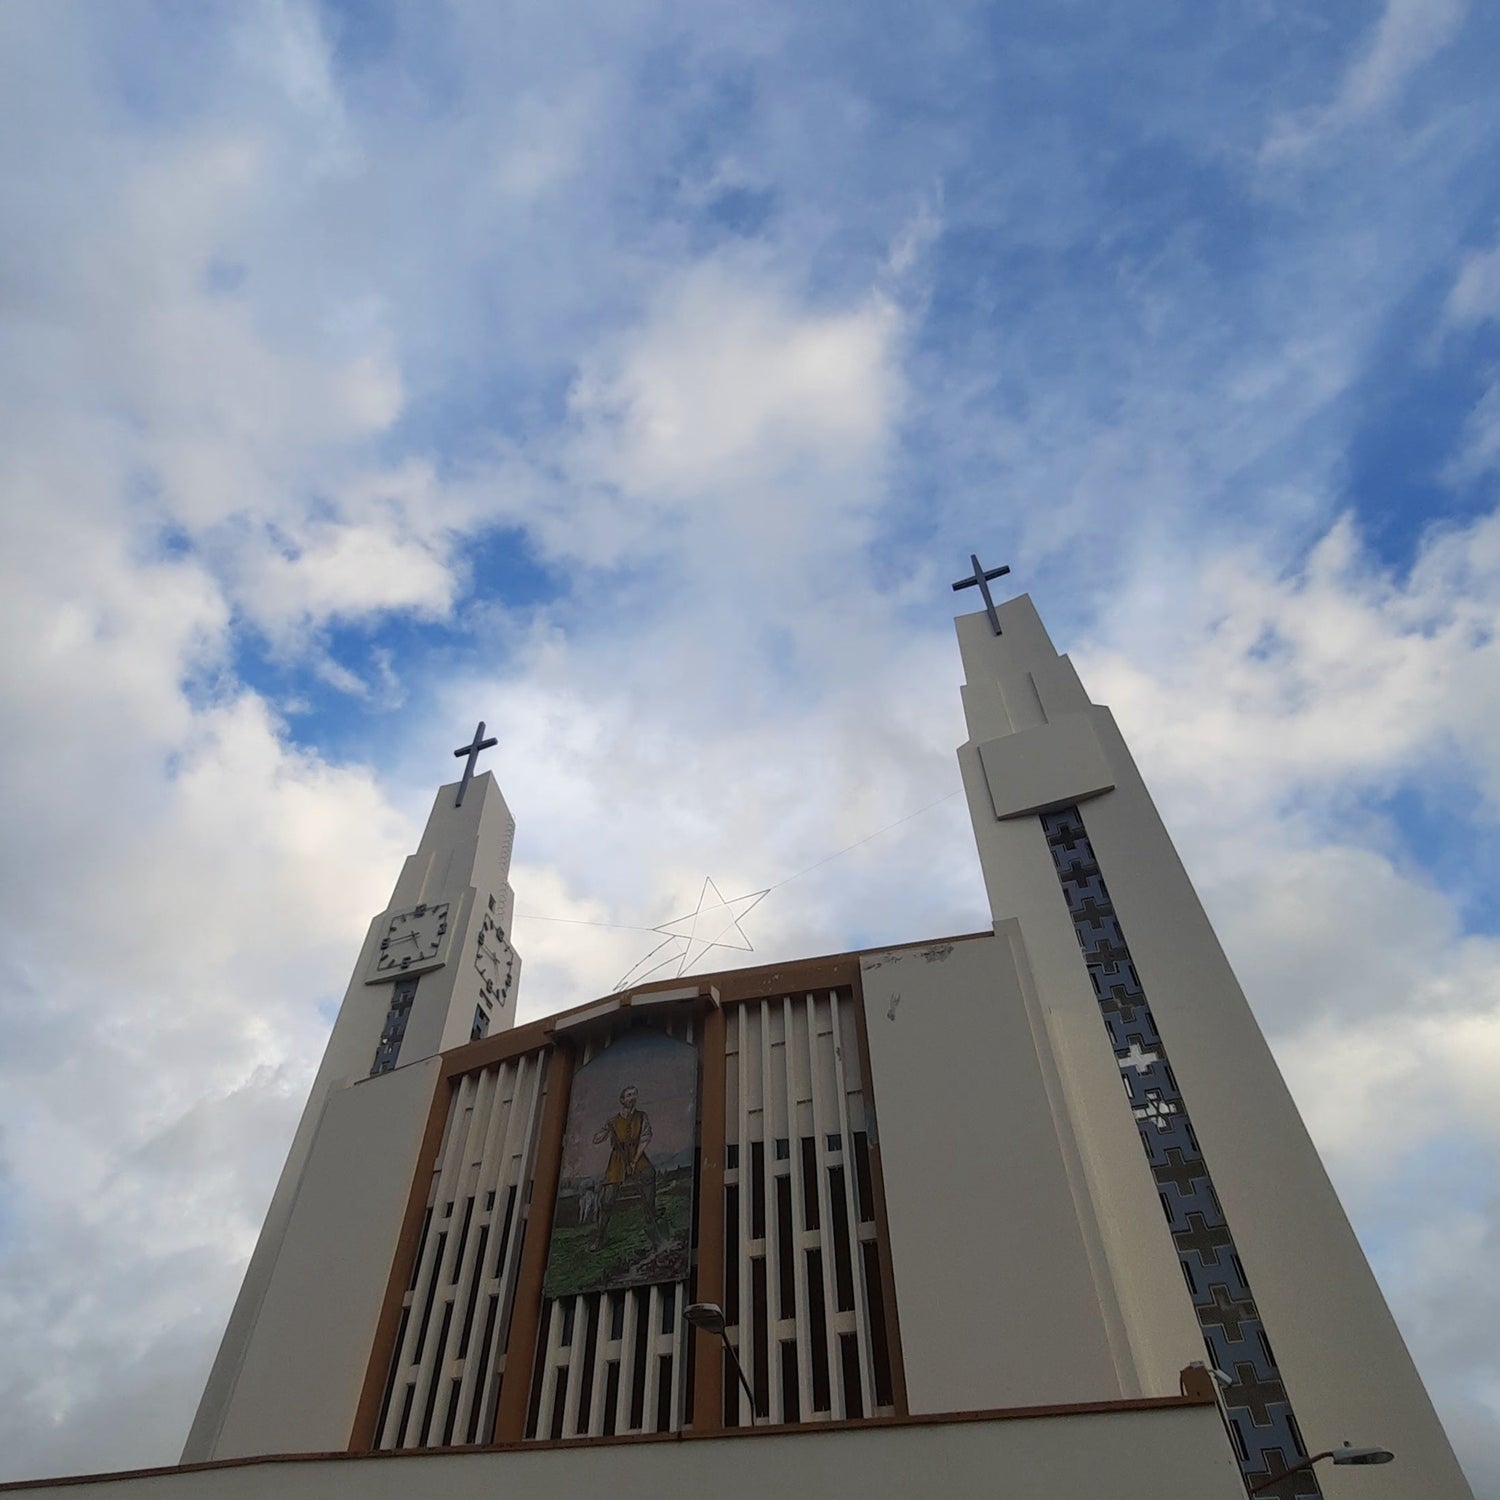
[[637, 377]]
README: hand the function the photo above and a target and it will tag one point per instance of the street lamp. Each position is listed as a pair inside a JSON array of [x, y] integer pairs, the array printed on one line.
[[1344, 1455], [709, 1316]]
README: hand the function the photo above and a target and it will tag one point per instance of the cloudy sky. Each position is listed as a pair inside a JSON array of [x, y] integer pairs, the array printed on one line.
[[637, 377]]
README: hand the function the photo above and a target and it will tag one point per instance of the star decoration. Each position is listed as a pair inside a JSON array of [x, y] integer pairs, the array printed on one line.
[[713, 923]]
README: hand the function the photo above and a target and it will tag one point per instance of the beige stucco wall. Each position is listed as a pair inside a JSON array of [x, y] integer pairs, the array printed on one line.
[[1147, 1455], [999, 1299]]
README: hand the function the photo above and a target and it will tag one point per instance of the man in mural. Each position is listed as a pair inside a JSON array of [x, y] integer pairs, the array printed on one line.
[[628, 1134]]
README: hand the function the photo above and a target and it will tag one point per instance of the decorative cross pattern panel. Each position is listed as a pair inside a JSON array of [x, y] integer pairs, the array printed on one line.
[[394, 1031], [1258, 1413]]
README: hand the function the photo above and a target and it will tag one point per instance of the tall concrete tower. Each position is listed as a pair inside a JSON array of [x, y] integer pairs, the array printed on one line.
[[436, 970], [1131, 989]]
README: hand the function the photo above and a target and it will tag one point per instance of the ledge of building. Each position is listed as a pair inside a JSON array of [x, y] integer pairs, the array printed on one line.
[[1197, 1391]]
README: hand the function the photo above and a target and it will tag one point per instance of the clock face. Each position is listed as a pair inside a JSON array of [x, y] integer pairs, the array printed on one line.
[[413, 940], [492, 961]]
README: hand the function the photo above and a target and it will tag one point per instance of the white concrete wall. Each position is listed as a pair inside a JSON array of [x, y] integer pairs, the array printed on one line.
[[463, 857], [301, 1377], [1146, 1455], [1345, 1367], [998, 1300]]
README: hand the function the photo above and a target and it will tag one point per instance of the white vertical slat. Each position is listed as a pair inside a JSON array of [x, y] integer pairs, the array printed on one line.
[[743, 1345], [653, 1341], [679, 1358], [769, 1215], [851, 1212], [797, 1050], [602, 1345], [627, 1365], [823, 1112]]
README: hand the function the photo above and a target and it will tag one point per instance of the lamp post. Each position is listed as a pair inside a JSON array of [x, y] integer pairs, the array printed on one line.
[[1344, 1455], [709, 1316]]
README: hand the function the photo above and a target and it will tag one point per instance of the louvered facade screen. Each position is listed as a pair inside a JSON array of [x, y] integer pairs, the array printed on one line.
[[449, 1357], [802, 1272], [802, 1261]]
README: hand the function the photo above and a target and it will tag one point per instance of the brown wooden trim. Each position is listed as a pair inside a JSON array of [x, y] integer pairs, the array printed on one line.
[[826, 971], [882, 1216], [526, 1310], [787, 1429], [500, 1047], [408, 1246], [708, 1362], [831, 973]]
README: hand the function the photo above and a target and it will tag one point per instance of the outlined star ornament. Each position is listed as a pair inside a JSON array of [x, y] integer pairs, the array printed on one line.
[[713, 923]]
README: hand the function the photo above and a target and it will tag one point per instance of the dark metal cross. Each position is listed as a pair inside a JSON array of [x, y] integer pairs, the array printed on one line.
[[472, 751], [982, 577]]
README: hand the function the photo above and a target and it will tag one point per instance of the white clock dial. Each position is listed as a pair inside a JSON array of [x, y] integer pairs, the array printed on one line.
[[493, 961], [413, 939]]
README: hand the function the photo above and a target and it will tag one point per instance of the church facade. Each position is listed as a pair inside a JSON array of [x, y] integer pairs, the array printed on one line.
[[1027, 1210]]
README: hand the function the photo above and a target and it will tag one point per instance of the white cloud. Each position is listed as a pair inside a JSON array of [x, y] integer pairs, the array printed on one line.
[[1479, 450], [1475, 297], [731, 377], [345, 572], [1408, 34], [1335, 680], [736, 412], [1474, 301]]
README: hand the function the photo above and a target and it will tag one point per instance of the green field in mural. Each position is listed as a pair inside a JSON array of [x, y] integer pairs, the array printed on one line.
[[627, 1257]]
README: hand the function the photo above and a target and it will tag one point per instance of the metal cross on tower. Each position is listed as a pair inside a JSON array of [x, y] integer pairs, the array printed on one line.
[[982, 577], [472, 750]]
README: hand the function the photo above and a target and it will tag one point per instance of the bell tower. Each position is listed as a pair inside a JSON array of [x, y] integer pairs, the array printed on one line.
[[436, 970]]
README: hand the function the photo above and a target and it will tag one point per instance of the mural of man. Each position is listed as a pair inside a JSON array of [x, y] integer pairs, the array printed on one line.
[[628, 1134]]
